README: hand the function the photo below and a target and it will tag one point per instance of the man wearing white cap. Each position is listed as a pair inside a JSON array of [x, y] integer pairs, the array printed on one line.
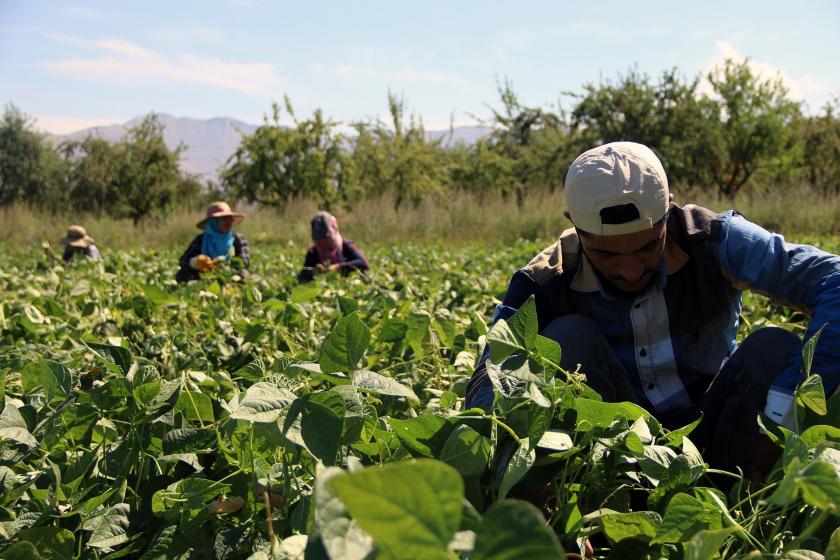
[[645, 295]]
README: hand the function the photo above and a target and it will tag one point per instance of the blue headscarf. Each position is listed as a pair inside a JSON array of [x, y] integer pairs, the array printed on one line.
[[215, 243]]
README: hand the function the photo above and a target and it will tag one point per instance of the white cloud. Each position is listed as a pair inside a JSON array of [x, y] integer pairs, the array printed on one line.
[[810, 84], [740, 34], [352, 71], [65, 39], [19, 29], [65, 125], [411, 75], [389, 66], [81, 11], [127, 48], [192, 34], [369, 55], [125, 61], [807, 88], [514, 41]]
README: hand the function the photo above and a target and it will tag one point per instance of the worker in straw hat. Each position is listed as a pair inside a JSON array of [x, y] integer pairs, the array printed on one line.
[[78, 243], [216, 243]]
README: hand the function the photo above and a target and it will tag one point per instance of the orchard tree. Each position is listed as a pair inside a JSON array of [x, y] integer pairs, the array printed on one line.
[[481, 169], [31, 171], [135, 178], [820, 135], [94, 174], [755, 130], [148, 178], [535, 142], [669, 116], [622, 111], [397, 157], [278, 163]]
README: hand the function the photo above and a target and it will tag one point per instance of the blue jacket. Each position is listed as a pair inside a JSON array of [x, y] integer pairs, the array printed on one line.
[[673, 338]]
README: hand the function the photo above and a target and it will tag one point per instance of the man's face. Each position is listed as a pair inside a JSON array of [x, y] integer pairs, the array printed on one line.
[[627, 261]]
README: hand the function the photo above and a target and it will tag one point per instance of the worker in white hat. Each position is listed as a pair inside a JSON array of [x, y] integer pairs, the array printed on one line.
[[645, 296]]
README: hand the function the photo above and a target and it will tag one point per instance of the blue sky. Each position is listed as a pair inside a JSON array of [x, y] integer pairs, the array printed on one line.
[[77, 64]]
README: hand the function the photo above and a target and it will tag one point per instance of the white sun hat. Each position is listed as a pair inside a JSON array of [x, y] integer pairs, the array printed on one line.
[[616, 174]]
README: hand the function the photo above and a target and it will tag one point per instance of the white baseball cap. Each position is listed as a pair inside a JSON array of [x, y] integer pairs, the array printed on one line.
[[617, 174]]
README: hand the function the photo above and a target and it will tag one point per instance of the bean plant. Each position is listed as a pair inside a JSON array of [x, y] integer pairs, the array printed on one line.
[[259, 418]]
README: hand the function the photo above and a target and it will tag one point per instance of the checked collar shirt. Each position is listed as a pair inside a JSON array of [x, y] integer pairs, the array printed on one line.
[[673, 338]]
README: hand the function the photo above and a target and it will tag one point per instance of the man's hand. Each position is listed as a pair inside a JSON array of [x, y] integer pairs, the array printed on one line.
[[319, 268], [203, 263]]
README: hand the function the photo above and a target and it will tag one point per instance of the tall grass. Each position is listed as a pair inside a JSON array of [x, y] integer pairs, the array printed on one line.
[[459, 218], [793, 211]]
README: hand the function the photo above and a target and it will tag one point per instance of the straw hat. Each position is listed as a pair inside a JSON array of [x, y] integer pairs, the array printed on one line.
[[220, 209], [77, 237]]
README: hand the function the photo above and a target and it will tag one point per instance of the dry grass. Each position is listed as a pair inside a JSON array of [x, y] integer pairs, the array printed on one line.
[[460, 218]]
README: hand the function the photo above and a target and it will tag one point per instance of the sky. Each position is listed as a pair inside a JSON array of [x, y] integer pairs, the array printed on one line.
[[75, 64]]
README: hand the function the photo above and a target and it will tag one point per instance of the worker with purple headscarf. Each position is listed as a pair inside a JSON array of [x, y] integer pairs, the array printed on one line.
[[329, 250]]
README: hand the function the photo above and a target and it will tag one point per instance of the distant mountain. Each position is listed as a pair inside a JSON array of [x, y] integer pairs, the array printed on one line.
[[468, 135], [209, 143]]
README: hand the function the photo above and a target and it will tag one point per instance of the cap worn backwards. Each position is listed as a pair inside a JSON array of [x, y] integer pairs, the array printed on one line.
[[617, 188]]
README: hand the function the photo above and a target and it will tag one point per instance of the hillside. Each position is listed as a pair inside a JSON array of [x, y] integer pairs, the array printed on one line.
[[210, 142]]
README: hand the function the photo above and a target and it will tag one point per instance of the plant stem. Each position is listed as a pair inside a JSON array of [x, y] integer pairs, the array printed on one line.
[[234, 473], [505, 427], [754, 494], [727, 473], [192, 401], [268, 522], [812, 526]]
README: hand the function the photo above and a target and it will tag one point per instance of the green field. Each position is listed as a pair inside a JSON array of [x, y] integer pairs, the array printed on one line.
[[142, 419]]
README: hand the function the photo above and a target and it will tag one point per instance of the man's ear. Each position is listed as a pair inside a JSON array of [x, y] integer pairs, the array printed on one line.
[[670, 197]]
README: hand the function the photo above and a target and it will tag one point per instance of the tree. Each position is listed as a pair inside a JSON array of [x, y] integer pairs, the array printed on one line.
[[481, 168], [134, 178], [277, 163], [820, 135], [756, 124], [669, 116], [94, 174], [398, 158], [535, 142], [148, 177], [612, 112], [30, 170]]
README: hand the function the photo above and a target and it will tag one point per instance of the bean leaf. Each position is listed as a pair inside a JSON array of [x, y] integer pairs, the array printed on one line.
[[345, 345], [412, 510], [513, 529]]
